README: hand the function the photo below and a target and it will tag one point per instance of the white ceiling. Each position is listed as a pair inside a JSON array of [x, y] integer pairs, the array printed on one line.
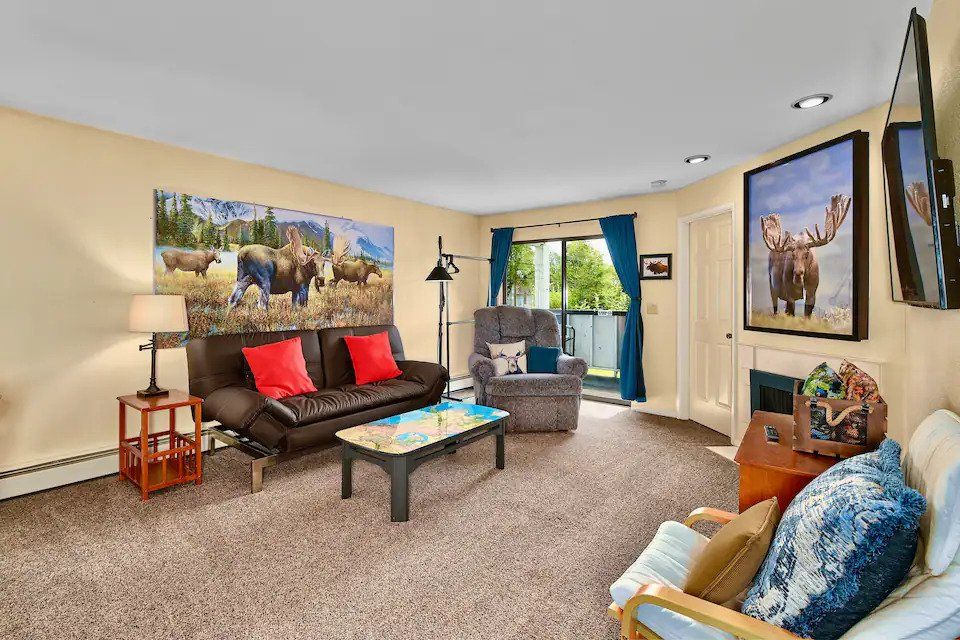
[[486, 106]]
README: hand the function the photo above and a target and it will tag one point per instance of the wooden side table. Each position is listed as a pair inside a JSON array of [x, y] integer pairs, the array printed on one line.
[[143, 461], [770, 469]]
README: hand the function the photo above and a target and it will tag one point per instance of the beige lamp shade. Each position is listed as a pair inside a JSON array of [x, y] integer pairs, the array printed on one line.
[[158, 314]]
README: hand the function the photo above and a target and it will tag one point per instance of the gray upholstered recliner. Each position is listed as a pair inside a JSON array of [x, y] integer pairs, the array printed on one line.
[[536, 401]]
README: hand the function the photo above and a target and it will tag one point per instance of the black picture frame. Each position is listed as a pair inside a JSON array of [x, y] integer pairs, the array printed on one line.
[[667, 257], [858, 217], [906, 282]]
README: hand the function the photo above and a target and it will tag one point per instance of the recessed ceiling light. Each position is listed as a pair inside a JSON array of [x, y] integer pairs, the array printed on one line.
[[696, 159], [809, 102], [658, 184]]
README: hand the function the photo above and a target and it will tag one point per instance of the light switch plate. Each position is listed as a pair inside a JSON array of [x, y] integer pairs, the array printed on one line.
[[652, 309]]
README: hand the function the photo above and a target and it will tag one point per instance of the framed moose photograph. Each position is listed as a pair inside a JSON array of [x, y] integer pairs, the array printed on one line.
[[656, 266], [806, 242]]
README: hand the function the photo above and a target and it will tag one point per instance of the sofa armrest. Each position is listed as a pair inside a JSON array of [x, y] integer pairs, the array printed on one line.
[[714, 615], [481, 368], [571, 365], [710, 515], [238, 407], [427, 373]]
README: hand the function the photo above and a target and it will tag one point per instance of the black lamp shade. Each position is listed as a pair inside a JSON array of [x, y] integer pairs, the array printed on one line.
[[439, 274]]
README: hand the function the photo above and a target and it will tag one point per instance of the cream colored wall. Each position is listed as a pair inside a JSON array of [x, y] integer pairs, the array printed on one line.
[[75, 206], [886, 324], [656, 233], [919, 349]]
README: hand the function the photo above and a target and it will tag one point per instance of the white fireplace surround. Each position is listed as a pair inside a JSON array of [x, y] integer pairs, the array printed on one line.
[[797, 364]]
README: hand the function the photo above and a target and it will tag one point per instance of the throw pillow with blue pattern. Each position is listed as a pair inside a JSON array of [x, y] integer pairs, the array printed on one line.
[[844, 543]]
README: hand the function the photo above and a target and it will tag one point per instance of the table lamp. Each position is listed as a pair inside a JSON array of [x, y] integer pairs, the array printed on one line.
[[155, 314]]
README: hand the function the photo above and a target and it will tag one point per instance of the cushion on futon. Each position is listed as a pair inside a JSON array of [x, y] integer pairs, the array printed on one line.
[[666, 561], [845, 542], [729, 562]]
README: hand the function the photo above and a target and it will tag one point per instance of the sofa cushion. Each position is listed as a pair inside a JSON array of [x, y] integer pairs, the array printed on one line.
[[729, 562], [666, 561], [845, 542], [924, 607], [279, 369], [542, 359], [509, 359], [330, 403], [932, 467], [337, 367], [371, 358], [534, 384], [216, 361]]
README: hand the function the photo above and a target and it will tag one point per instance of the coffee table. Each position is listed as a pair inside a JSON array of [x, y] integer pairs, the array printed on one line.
[[399, 444]]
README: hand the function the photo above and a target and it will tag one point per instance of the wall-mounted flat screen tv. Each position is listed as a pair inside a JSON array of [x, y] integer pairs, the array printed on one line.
[[921, 221]]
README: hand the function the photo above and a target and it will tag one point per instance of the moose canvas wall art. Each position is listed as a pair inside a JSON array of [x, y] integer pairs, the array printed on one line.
[[805, 242], [246, 267]]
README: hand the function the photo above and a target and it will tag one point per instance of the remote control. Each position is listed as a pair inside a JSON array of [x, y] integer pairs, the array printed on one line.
[[772, 434]]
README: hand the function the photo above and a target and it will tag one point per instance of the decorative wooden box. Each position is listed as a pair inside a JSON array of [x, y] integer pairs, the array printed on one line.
[[835, 427]]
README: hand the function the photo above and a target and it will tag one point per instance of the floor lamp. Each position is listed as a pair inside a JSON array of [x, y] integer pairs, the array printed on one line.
[[443, 273]]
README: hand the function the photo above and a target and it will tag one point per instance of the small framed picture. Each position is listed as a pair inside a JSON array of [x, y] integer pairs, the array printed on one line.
[[656, 266]]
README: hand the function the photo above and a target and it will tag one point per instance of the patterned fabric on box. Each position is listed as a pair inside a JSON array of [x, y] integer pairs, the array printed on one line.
[[845, 542], [823, 382], [858, 384]]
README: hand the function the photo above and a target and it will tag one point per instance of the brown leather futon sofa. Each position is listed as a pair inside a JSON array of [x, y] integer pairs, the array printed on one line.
[[220, 375]]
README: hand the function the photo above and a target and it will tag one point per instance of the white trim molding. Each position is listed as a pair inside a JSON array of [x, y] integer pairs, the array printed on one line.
[[683, 309], [57, 473]]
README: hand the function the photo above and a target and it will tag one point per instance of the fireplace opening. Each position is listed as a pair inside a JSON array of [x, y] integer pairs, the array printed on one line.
[[771, 392]]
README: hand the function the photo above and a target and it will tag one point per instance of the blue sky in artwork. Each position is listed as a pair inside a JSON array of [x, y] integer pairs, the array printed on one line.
[[800, 191]]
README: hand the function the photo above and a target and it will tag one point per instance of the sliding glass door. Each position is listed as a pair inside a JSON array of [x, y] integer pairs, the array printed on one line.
[[574, 278]]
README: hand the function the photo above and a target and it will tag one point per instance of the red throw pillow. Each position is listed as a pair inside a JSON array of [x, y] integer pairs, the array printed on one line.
[[279, 369], [372, 359]]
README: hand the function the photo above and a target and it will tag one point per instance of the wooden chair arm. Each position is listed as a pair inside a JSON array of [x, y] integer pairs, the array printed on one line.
[[714, 615], [710, 515]]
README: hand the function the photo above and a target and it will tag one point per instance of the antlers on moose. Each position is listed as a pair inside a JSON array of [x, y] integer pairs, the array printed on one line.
[[341, 247], [834, 215], [919, 199]]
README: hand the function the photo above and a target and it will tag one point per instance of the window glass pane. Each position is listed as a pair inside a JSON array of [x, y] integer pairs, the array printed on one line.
[[592, 282], [533, 275]]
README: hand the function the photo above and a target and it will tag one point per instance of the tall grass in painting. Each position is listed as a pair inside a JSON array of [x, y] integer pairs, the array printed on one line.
[[346, 305]]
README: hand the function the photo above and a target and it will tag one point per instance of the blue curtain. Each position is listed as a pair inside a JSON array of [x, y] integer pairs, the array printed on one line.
[[499, 254], [622, 243]]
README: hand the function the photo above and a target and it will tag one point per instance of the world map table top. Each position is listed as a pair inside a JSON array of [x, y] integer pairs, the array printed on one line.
[[414, 430]]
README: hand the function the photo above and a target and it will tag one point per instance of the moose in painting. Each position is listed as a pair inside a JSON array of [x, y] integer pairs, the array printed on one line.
[[792, 267], [288, 269], [196, 261]]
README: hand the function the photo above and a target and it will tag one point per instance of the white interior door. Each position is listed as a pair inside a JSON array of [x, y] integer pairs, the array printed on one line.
[[711, 322]]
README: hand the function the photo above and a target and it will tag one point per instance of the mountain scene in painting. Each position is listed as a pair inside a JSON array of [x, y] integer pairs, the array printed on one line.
[[246, 267]]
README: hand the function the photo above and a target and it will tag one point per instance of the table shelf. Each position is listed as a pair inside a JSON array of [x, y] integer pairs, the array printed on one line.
[[154, 461]]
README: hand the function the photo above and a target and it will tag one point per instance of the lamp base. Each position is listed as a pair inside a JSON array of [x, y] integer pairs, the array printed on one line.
[[152, 392]]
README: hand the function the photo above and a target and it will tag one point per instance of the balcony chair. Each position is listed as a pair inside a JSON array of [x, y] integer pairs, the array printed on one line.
[[536, 401], [926, 605]]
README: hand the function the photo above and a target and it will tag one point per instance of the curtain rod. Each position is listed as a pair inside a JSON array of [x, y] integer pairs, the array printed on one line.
[[554, 224]]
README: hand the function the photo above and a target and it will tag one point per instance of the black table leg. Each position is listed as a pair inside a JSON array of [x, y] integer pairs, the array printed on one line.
[[399, 490], [346, 478], [501, 431]]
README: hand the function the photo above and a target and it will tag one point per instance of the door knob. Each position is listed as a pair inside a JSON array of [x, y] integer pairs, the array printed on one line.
[[729, 335]]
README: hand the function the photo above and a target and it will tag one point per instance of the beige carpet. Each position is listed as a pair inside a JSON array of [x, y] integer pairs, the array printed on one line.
[[524, 553]]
